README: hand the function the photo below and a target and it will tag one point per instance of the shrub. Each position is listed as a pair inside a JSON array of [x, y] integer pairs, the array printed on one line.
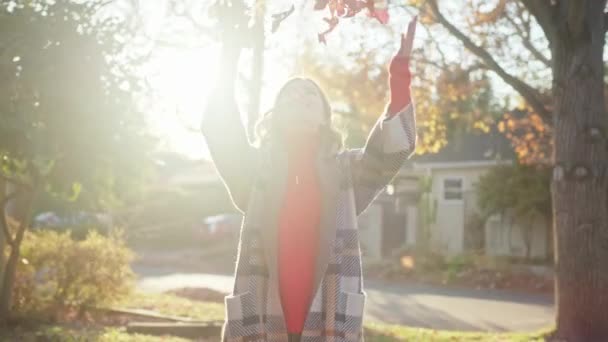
[[424, 260], [57, 272]]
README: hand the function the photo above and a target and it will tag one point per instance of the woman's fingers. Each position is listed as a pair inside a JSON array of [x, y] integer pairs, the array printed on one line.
[[407, 40], [411, 29]]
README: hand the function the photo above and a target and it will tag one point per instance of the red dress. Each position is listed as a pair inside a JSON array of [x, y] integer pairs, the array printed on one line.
[[300, 214], [299, 234]]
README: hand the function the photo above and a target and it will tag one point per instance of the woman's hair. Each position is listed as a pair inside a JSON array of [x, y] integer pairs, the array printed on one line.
[[268, 130]]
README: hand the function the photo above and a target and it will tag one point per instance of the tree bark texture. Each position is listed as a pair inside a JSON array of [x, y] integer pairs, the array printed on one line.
[[579, 184], [3, 242], [8, 281]]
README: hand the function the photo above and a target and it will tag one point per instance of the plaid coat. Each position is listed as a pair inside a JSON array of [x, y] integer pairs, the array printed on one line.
[[255, 178]]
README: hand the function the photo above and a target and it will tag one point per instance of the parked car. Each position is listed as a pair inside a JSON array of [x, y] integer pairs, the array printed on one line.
[[79, 222]]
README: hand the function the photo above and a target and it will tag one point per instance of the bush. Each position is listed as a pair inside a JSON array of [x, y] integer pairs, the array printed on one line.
[[57, 272], [78, 232]]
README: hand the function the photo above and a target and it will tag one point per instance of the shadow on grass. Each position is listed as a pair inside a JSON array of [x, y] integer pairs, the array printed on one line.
[[63, 333], [393, 333], [49, 333]]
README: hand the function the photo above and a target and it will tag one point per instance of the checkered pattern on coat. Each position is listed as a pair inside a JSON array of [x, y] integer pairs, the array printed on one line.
[[253, 310]]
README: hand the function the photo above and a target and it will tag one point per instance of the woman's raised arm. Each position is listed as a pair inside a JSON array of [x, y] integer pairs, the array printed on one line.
[[393, 138], [225, 134]]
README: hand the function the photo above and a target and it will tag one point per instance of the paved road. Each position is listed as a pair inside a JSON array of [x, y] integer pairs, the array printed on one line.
[[457, 309], [413, 305]]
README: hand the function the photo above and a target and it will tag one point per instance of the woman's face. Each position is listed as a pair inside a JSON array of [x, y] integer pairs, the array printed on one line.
[[301, 107]]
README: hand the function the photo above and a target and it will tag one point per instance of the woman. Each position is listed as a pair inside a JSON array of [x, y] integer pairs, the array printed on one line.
[[298, 274]]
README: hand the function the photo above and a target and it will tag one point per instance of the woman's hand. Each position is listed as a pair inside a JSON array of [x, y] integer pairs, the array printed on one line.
[[407, 40], [399, 69], [232, 26]]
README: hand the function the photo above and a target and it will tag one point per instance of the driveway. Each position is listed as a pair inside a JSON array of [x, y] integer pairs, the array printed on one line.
[[409, 304], [457, 309]]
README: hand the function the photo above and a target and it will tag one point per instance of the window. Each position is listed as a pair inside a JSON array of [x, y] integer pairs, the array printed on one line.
[[452, 189]]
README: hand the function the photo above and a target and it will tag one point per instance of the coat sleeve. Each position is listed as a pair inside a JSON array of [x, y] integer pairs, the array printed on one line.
[[390, 143], [227, 141]]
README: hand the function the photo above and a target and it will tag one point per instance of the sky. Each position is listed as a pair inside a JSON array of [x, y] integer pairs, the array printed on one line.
[[181, 74], [182, 77]]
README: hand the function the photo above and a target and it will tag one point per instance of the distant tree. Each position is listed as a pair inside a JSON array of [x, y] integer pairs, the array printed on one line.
[[521, 191], [68, 124], [427, 205], [530, 136], [450, 99]]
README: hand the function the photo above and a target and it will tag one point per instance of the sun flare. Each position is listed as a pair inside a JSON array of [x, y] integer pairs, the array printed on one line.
[[180, 81]]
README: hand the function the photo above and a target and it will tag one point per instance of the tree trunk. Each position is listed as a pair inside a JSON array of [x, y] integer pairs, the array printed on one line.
[[528, 242], [527, 232], [550, 247], [579, 183], [257, 68], [3, 241], [8, 281]]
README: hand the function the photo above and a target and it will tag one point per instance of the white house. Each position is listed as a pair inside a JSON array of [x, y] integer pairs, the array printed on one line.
[[397, 216]]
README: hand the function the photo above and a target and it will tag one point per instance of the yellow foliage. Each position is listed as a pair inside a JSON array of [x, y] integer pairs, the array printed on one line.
[[531, 137], [482, 17], [456, 96], [481, 125]]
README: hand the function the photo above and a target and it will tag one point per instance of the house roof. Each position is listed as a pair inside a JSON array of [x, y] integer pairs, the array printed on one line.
[[473, 146]]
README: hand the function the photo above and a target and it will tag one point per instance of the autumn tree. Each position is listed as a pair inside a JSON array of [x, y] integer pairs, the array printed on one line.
[[519, 192], [68, 122], [550, 56], [451, 99], [550, 53]]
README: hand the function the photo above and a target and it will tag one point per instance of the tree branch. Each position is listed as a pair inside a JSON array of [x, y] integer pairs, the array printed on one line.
[[544, 12], [527, 42], [535, 52], [3, 220], [531, 95], [576, 16], [431, 36], [25, 220], [439, 66], [187, 14], [15, 181]]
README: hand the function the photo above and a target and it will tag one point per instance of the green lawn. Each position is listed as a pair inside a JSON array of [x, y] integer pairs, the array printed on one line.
[[375, 333], [82, 334], [168, 304], [390, 333], [176, 306]]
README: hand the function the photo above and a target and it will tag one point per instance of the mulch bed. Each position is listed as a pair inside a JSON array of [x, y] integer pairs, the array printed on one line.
[[471, 278]]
